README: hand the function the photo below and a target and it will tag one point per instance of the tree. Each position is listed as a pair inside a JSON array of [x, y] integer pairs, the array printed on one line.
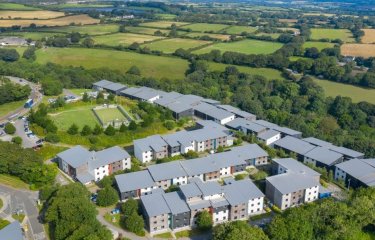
[[60, 42], [204, 220], [73, 129], [123, 128], [106, 181], [17, 140], [110, 130], [97, 130], [52, 87], [107, 197], [129, 207], [9, 128], [52, 138], [191, 154], [85, 97], [237, 230], [134, 70], [75, 37], [88, 42], [132, 126], [169, 124], [29, 53], [134, 223], [9, 55], [86, 130]]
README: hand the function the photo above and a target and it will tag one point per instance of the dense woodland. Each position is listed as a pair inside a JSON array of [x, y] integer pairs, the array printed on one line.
[[10, 92]]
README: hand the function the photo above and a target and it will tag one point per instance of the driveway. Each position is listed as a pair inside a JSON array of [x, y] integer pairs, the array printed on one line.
[[27, 202]]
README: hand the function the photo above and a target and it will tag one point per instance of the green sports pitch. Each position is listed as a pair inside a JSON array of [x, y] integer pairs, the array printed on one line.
[[107, 115]]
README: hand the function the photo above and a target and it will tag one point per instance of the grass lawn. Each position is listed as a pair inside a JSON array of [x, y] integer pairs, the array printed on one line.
[[14, 6], [125, 39], [222, 37], [172, 44], [32, 35], [162, 24], [78, 114], [49, 151], [358, 50], [63, 21], [319, 45], [268, 73], [13, 182], [1, 203], [30, 14], [205, 27], [145, 30], [110, 114], [295, 58], [113, 219], [357, 94], [9, 107], [166, 235], [150, 66], [272, 35], [240, 29], [97, 29], [19, 217], [343, 34], [165, 16], [247, 46], [187, 233], [79, 91]]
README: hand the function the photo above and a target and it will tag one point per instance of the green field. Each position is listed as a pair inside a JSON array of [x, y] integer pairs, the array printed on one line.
[[326, 33], [357, 94], [124, 39], [13, 182], [295, 58], [14, 6], [80, 115], [32, 35], [172, 44], [319, 45], [205, 27], [240, 29], [272, 35], [98, 29], [165, 16], [145, 30], [109, 114], [247, 46], [150, 66], [9, 107], [222, 37], [73, 5], [268, 73], [162, 24]]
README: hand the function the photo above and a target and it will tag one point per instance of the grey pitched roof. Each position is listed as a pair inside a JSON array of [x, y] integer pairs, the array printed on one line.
[[154, 142], [114, 87], [241, 123], [85, 177], [190, 190], [347, 152], [265, 123], [12, 232], [75, 156], [294, 144], [155, 204], [291, 182], [107, 156], [102, 83], [324, 155], [179, 104], [131, 91], [361, 169], [238, 112], [317, 142], [166, 171], [199, 204], [176, 139], [242, 191], [268, 134], [212, 111], [284, 130], [209, 188], [219, 202], [146, 93], [211, 101], [175, 203], [199, 166], [295, 166], [134, 181]]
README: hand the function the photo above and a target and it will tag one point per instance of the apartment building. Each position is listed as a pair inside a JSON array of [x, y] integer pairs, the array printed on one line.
[[168, 174], [150, 148], [294, 145], [269, 137], [356, 172], [87, 166], [323, 157]]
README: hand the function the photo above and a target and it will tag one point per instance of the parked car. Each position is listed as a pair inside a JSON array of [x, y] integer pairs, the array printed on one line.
[[115, 211], [93, 197]]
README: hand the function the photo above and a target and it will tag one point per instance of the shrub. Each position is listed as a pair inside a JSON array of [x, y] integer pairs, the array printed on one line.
[[10, 128], [110, 131], [17, 140], [134, 223], [129, 207], [204, 220], [86, 130], [73, 129], [52, 138], [107, 196], [169, 124]]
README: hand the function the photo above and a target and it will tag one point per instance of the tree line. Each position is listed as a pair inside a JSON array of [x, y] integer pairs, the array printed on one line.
[[10, 92]]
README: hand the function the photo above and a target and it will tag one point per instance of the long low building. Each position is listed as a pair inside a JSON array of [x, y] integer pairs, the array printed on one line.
[[356, 172], [210, 168], [179, 210], [88, 166]]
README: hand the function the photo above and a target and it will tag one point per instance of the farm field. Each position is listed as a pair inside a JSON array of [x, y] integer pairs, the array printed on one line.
[[358, 50], [145, 30], [9, 107], [319, 45], [247, 46], [64, 119], [165, 16], [125, 39], [321, 33], [285, 20], [268, 73], [14, 6], [30, 14], [205, 27], [240, 29], [32, 35], [98, 29], [73, 5], [151, 66], [77, 19], [110, 114], [369, 36], [171, 45], [357, 94], [162, 24], [272, 35], [295, 58], [222, 37]]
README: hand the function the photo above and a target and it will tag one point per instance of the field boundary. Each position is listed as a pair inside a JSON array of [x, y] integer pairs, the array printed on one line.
[[114, 123]]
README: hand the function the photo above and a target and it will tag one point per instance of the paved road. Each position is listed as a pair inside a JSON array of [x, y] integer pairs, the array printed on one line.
[[25, 200], [35, 95]]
